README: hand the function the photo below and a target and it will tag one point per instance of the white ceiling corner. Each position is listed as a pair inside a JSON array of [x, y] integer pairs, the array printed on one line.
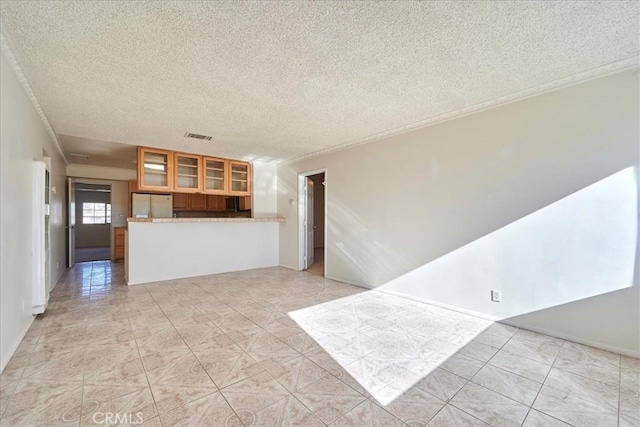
[[289, 80], [13, 63]]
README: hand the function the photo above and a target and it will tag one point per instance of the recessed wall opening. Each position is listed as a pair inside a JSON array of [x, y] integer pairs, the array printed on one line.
[[312, 220], [92, 230]]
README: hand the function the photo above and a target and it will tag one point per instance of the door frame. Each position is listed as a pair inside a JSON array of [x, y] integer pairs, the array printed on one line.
[[302, 210], [77, 180]]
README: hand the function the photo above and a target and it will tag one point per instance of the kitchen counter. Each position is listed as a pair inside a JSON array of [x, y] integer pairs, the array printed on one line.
[[159, 249], [205, 220]]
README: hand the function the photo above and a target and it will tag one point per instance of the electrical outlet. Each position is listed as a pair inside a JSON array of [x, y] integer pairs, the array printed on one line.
[[496, 296], [57, 265]]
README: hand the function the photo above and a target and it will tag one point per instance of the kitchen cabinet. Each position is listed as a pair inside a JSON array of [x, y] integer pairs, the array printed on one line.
[[180, 202], [155, 169], [215, 203], [197, 202], [215, 177], [167, 171], [239, 178], [118, 243], [188, 173], [245, 203]]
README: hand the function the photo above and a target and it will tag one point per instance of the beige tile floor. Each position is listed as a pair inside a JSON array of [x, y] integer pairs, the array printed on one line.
[[223, 350]]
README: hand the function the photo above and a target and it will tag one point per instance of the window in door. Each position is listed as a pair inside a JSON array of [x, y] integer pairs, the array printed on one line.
[[96, 213]]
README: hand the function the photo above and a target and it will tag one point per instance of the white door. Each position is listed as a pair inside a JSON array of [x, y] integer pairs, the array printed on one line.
[[309, 224], [71, 226]]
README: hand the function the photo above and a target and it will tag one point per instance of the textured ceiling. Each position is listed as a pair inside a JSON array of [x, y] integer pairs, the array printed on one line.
[[101, 153], [271, 80]]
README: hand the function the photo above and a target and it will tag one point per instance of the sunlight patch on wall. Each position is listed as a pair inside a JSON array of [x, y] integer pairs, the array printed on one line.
[[578, 247]]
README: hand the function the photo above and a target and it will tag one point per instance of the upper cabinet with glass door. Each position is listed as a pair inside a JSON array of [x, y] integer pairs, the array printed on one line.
[[239, 178], [215, 176], [188, 173], [155, 168]]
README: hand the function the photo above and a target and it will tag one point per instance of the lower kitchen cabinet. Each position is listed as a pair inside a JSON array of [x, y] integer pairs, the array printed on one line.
[[180, 201], [118, 243], [197, 202]]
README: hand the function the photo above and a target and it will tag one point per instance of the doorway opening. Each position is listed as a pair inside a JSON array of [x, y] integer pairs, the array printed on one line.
[[312, 220], [90, 235]]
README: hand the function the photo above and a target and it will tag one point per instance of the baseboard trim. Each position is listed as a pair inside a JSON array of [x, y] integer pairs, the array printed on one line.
[[289, 267], [567, 337], [441, 305], [578, 340], [15, 346]]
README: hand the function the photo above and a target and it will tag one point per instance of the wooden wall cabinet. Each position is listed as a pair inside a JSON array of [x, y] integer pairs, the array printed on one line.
[[155, 169], [239, 178], [191, 178], [188, 173], [215, 178]]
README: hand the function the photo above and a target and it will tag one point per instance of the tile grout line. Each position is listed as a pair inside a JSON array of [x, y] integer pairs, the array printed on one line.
[[155, 404], [219, 390], [619, 386], [485, 364], [543, 383]]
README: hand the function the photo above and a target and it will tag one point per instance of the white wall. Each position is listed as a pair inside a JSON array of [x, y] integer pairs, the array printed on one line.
[[265, 197], [396, 205], [23, 139], [174, 250], [101, 172]]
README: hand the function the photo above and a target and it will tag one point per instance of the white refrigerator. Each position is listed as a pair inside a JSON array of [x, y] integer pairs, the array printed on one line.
[[152, 205]]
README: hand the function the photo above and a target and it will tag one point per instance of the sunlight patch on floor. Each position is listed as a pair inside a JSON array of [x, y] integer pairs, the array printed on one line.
[[389, 343]]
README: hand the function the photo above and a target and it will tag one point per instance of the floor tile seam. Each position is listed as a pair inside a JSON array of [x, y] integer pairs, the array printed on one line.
[[375, 402], [450, 401], [459, 409], [220, 390], [508, 371], [183, 404], [553, 416], [543, 383], [364, 399], [595, 401], [329, 372], [144, 369], [619, 388], [309, 409], [550, 365], [508, 397], [616, 383], [230, 384]]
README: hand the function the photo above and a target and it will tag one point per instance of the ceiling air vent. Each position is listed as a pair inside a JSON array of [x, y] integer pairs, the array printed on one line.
[[197, 136]]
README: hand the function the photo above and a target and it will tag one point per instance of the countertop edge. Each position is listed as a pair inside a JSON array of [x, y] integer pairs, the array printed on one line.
[[189, 220]]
